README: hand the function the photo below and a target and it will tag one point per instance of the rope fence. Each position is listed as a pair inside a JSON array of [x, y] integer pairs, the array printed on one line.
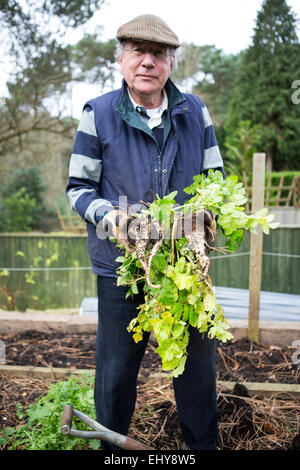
[[82, 268]]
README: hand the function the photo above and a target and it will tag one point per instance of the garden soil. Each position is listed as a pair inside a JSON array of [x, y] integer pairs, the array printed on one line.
[[235, 360], [245, 423]]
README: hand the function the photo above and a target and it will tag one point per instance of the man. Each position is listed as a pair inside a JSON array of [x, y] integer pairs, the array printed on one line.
[[144, 139]]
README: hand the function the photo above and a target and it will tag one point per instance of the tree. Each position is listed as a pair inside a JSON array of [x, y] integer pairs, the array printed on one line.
[[262, 92], [216, 86], [240, 147], [40, 68], [40, 63], [210, 74], [94, 60], [189, 64]]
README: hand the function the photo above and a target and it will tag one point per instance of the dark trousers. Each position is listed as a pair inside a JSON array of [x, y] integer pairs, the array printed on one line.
[[118, 360]]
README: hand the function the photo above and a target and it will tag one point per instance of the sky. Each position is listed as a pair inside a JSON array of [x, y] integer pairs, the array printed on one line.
[[227, 24]]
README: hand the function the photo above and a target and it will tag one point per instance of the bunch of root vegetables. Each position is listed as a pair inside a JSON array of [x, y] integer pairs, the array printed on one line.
[[167, 252]]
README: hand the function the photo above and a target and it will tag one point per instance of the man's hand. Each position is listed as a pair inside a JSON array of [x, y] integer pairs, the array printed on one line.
[[115, 223], [210, 227], [201, 221], [200, 230]]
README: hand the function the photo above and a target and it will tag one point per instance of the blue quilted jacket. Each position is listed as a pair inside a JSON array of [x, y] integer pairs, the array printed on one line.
[[117, 161]]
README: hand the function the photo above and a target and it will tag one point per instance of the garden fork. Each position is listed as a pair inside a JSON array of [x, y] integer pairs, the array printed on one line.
[[100, 432]]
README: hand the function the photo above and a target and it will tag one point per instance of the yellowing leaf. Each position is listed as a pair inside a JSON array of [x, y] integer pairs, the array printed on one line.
[[180, 368], [20, 253], [5, 272], [183, 281], [209, 302], [202, 318], [192, 299], [137, 337]]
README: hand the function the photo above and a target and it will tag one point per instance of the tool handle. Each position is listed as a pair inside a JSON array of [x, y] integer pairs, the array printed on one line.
[[127, 443], [132, 444], [66, 420]]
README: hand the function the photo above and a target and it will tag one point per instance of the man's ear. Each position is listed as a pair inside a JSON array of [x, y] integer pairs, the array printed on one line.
[[172, 65], [120, 60]]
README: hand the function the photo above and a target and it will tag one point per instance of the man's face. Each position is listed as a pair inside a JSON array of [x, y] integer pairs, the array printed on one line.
[[145, 67]]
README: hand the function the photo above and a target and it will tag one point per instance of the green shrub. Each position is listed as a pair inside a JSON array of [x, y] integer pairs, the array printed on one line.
[[21, 201], [276, 176], [17, 212], [288, 177]]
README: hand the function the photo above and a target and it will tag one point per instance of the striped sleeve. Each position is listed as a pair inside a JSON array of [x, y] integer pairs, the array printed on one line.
[[85, 171], [212, 155]]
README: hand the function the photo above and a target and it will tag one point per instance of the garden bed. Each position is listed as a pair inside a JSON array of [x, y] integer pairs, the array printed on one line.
[[245, 422], [235, 361]]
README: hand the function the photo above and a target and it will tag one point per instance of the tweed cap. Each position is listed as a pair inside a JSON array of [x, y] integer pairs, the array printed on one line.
[[148, 28]]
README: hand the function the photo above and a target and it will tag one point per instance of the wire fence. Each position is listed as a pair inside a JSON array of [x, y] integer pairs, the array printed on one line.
[[80, 268], [55, 272]]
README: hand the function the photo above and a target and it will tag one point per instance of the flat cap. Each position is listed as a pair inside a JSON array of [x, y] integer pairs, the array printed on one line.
[[148, 28]]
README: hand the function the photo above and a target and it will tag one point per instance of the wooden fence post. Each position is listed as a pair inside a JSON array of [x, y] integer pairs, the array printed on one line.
[[256, 244]]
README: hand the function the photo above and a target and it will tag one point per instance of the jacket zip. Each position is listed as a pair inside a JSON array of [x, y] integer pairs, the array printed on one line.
[[159, 176]]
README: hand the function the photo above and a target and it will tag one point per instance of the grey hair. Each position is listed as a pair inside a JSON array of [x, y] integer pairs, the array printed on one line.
[[174, 53]]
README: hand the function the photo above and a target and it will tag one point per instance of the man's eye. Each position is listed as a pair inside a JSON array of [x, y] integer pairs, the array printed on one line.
[[159, 53]]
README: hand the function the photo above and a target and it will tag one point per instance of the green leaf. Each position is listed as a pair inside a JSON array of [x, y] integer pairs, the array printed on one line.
[[120, 259], [187, 309], [266, 230], [40, 431], [193, 316], [169, 293], [176, 311], [134, 288], [159, 262], [178, 329]]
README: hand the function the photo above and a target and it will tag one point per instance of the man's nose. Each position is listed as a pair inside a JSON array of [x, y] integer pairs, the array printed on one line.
[[148, 59]]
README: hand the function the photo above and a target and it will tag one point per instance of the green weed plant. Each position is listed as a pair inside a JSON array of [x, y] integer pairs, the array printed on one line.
[[41, 430]]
